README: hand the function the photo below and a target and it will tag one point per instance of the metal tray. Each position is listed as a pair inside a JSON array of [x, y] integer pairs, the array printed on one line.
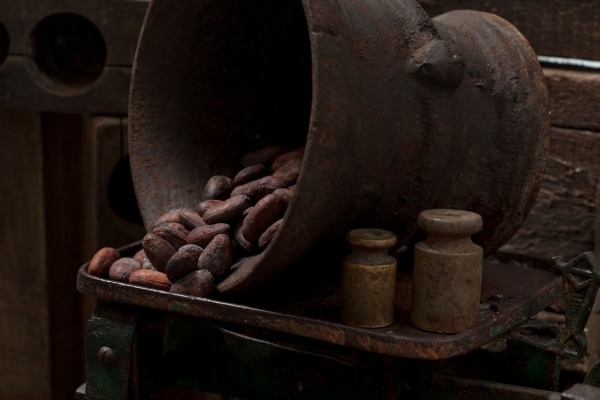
[[512, 292]]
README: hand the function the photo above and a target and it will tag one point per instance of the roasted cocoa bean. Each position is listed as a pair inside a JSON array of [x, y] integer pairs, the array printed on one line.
[[265, 155], [217, 256], [284, 158], [122, 268], [266, 211], [199, 283], [169, 216], [140, 256], [250, 173], [190, 218], [285, 195], [205, 205], [181, 264], [289, 171], [192, 249], [173, 232], [245, 244], [158, 250], [229, 209], [265, 238], [148, 265], [217, 187], [102, 260], [202, 235], [150, 278], [259, 188]]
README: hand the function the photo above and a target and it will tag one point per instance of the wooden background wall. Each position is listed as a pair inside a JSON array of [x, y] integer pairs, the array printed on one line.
[[58, 153]]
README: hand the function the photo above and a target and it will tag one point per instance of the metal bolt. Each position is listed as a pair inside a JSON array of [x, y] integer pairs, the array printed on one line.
[[106, 355]]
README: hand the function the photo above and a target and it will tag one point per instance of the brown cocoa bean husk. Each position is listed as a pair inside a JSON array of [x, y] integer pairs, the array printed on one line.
[[289, 171], [148, 265], [259, 188], [217, 256], [250, 173], [217, 187], [205, 205], [229, 209], [202, 235], [265, 238], [158, 250], [173, 232], [102, 260], [190, 218], [150, 278], [122, 268], [181, 264], [198, 283], [193, 250], [265, 155], [284, 158], [266, 211]]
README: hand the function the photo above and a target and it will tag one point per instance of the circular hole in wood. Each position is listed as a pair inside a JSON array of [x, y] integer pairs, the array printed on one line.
[[68, 49]]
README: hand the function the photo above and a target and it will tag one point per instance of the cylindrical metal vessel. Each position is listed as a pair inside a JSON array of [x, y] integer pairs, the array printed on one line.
[[369, 279], [447, 272], [399, 113]]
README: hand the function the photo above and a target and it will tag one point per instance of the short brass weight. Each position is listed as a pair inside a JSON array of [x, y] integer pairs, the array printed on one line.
[[447, 272], [369, 279]]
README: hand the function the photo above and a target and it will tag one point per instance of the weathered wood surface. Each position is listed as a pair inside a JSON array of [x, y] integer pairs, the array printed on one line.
[[562, 222], [565, 28], [25, 86], [25, 363]]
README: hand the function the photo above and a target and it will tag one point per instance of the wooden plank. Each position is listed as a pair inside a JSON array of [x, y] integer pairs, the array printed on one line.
[[562, 221], [24, 331], [564, 28], [574, 98]]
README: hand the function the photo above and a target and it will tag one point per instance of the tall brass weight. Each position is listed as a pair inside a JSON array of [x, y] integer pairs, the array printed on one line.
[[369, 279], [447, 272]]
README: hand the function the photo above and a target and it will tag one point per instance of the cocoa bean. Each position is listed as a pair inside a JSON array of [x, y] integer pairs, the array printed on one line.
[[122, 268], [217, 256], [173, 232], [217, 187], [284, 158], [285, 195], [289, 171], [250, 173], [181, 264], [202, 235], [150, 278], [158, 250], [190, 218], [205, 205], [265, 155], [245, 244], [259, 188], [102, 260], [193, 250], [140, 256], [148, 265], [266, 237], [229, 209], [169, 216], [198, 283], [266, 211]]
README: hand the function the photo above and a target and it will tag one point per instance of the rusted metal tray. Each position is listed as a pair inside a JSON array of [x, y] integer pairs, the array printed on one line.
[[512, 292]]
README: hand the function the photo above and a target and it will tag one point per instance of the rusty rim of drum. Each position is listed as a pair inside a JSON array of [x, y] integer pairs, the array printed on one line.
[[399, 113]]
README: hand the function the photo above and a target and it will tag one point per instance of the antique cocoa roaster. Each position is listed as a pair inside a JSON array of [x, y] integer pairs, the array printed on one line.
[[399, 113]]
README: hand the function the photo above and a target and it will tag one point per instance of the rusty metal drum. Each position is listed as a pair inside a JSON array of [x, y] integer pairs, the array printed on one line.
[[398, 113]]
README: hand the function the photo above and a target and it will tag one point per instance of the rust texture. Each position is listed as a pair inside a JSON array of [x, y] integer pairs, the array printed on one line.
[[399, 113]]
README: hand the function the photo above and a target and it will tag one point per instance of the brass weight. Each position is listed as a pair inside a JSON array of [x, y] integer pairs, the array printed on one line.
[[369, 279], [447, 272]]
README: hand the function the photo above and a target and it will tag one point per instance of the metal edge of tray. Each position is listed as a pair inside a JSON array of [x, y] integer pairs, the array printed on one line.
[[399, 339]]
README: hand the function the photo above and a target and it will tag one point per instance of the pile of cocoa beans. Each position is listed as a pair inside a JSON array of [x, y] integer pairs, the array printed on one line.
[[188, 250]]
